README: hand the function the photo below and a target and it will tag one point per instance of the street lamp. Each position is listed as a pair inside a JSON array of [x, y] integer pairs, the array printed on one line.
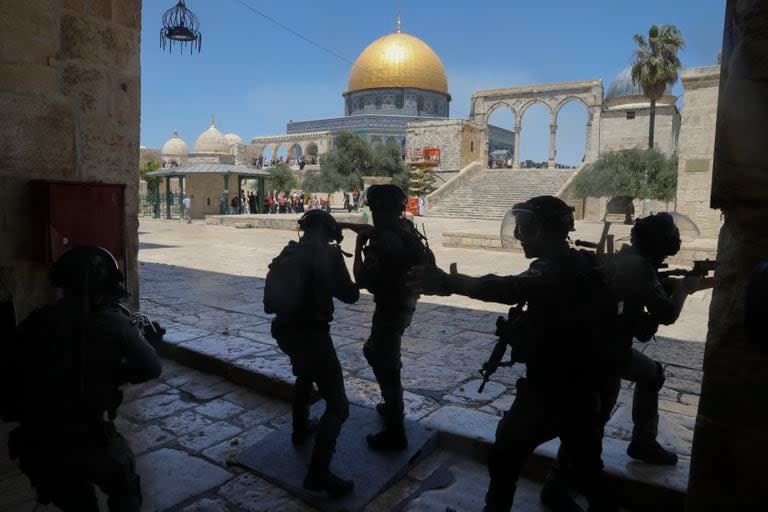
[[180, 25]]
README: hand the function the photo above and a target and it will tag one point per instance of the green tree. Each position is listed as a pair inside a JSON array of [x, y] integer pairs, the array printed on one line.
[[656, 65], [343, 167], [152, 181], [636, 173], [282, 179]]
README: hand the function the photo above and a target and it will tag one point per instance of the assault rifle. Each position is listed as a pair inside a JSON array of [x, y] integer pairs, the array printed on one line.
[[700, 269], [357, 227], [509, 333], [604, 246]]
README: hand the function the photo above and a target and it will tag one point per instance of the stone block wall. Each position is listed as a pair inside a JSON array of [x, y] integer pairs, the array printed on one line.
[[617, 132], [205, 189], [70, 101], [696, 149], [457, 139]]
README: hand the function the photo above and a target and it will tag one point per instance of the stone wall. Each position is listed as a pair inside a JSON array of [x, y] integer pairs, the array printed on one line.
[[697, 142], [70, 99], [459, 141], [617, 132], [204, 192]]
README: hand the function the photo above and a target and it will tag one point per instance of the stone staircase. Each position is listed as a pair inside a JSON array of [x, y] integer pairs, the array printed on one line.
[[491, 193]]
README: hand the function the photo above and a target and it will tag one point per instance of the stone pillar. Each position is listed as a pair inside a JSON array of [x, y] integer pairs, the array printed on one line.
[[729, 455], [484, 141], [518, 130], [552, 141], [592, 149]]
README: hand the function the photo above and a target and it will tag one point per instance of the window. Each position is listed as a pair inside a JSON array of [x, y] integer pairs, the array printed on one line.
[[630, 114], [471, 146]]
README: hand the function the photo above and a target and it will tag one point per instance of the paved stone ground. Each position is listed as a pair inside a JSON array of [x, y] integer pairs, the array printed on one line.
[[186, 428], [205, 283]]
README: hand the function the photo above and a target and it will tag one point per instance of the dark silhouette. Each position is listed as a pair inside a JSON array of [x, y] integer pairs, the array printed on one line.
[[301, 285], [64, 368], [646, 300], [558, 338], [393, 247]]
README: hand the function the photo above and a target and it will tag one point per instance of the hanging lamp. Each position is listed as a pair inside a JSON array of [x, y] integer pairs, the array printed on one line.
[[180, 25]]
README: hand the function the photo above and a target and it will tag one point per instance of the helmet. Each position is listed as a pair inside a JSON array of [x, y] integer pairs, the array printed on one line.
[[321, 219], [386, 197], [88, 268], [550, 213], [656, 235]]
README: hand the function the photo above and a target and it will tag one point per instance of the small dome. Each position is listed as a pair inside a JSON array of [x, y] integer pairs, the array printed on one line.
[[175, 146], [233, 139], [211, 141], [623, 87]]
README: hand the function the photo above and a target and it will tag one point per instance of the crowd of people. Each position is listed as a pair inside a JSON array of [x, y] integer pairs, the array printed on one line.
[[280, 202], [300, 162], [574, 317]]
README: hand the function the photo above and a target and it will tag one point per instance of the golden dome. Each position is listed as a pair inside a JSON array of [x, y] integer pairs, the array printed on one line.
[[398, 60]]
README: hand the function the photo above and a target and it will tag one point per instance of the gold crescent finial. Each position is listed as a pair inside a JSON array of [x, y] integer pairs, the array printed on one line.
[[398, 22]]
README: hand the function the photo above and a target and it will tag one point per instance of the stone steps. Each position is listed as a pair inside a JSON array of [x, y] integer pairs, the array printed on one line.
[[490, 194]]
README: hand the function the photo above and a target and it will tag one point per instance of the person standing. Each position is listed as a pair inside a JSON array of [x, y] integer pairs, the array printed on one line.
[[559, 338], [301, 285], [63, 370], [187, 203], [383, 257]]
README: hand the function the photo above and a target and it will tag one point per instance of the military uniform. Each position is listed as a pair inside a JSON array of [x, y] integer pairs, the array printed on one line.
[[390, 254], [69, 366], [559, 397], [304, 335]]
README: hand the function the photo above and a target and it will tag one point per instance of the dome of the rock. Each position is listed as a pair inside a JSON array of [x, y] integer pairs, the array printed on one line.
[[623, 89], [398, 60]]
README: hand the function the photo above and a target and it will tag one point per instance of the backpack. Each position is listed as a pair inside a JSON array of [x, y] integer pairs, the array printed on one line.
[[285, 291]]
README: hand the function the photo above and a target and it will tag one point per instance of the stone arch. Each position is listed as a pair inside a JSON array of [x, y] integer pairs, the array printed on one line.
[[493, 108], [292, 150], [531, 103], [554, 96], [311, 151], [567, 100]]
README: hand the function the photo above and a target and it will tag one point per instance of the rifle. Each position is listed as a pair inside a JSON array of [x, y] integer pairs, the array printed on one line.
[[604, 246], [357, 227], [505, 330], [700, 269]]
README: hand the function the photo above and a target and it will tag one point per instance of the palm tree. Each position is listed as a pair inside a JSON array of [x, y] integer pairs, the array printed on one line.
[[656, 65]]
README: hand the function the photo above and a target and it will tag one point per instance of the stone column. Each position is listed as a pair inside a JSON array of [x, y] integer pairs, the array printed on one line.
[[484, 145], [729, 455], [518, 130], [552, 141], [592, 149]]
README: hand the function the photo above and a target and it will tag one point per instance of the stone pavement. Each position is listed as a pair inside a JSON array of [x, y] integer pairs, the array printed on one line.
[[205, 284], [185, 429]]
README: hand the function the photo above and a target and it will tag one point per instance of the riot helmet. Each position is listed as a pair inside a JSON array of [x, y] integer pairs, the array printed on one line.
[[386, 197], [320, 219], [656, 236], [88, 269], [536, 223]]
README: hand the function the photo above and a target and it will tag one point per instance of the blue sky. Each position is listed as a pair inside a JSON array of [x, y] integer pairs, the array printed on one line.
[[255, 77]]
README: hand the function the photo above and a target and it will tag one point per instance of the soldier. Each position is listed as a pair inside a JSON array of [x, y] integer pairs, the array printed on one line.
[[394, 246], [301, 285], [560, 396], [646, 302], [68, 361]]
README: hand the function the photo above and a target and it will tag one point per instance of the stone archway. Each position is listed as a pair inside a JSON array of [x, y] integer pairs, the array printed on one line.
[[554, 97]]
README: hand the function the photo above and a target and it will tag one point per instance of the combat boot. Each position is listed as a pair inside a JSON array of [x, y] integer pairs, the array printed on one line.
[[555, 497], [303, 430], [320, 480], [391, 439], [652, 453]]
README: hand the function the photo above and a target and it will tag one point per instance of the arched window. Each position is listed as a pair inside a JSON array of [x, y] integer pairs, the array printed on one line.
[[471, 146]]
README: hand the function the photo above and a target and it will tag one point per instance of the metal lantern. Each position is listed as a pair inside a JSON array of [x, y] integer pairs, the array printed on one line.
[[180, 25]]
